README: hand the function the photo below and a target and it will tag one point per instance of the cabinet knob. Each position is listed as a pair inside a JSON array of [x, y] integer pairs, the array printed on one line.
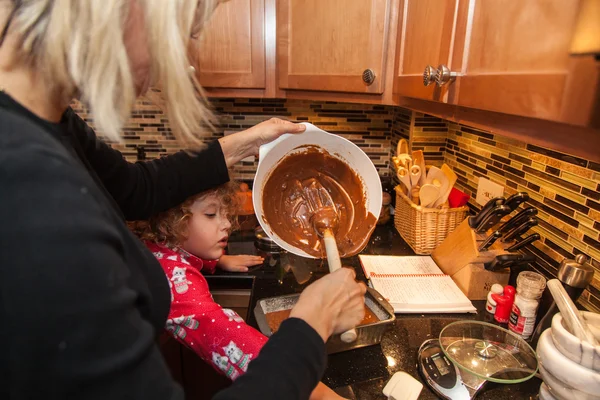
[[444, 75], [429, 75], [368, 76]]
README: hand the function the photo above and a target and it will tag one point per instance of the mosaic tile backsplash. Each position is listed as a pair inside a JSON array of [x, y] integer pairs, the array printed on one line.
[[147, 134], [565, 189]]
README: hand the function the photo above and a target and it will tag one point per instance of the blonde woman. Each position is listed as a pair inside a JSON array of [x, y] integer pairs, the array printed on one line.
[[81, 299]]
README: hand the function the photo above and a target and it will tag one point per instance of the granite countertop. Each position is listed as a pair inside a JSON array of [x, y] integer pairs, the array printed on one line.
[[360, 373]]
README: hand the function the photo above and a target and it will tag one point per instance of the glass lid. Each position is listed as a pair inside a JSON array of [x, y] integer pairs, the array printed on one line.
[[488, 351]]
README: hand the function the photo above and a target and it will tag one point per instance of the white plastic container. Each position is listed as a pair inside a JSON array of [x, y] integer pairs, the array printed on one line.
[[270, 154]]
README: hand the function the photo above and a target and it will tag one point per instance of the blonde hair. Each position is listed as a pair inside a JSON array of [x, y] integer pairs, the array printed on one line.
[[79, 46], [169, 227]]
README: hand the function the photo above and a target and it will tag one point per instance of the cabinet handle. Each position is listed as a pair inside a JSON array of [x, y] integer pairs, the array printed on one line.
[[368, 76], [429, 75], [444, 75]]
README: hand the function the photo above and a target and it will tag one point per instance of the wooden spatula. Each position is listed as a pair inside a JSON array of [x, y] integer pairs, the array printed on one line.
[[451, 178], [419, 160]]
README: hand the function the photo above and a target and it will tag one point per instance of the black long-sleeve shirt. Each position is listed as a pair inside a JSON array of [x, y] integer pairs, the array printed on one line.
[[81, 297]]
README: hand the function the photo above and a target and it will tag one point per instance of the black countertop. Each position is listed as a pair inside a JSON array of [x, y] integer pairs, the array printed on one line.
[[360, 373]]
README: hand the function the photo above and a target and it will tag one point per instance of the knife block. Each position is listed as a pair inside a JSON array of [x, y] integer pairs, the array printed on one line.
[[458, 257]]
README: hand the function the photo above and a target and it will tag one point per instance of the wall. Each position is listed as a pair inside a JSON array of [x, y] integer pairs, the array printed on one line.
[[565, 189], [368, 126]]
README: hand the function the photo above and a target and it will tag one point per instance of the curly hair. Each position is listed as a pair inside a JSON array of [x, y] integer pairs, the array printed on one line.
[[168, 227]]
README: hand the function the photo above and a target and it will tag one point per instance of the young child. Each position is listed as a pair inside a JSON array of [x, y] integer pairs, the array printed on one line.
[[189, 241]]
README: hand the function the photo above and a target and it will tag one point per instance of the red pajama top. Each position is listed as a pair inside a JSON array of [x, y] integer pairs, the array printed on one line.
[[218, 335]]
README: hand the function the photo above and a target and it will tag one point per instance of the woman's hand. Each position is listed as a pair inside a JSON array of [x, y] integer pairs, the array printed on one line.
[[238, 263], [333, 304], [246, 143]]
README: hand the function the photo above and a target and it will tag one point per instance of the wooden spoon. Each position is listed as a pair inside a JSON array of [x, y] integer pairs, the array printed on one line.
[[428, 194]]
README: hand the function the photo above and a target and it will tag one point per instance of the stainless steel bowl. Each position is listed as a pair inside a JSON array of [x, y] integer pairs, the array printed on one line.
[[368, 335]]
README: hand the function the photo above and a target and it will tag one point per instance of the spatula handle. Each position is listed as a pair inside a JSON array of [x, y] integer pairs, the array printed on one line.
[[333, 255], [333, 259]]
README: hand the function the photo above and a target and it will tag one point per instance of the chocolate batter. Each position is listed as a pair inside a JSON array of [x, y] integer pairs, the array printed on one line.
[[275, 318], [288, 211]]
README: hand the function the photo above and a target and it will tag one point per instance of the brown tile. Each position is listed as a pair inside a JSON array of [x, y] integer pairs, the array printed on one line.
[[539, 158], [558, 155], [551, 178], [592, 194], [593, 204], [569, 229], [592, 242]]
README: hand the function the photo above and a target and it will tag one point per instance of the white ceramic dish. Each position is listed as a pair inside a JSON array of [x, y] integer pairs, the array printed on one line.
[[561, 391], [545, 393], [582, 353], [559, 372], [270, 154]]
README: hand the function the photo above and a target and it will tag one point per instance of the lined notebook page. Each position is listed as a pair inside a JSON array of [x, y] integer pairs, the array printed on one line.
[[414, 284], [431, 294], [398, 266]]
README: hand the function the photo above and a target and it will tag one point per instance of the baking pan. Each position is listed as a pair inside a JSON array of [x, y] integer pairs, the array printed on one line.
[[368, 335]]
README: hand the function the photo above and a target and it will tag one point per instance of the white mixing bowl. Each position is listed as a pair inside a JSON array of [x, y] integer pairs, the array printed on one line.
[[272, 153]]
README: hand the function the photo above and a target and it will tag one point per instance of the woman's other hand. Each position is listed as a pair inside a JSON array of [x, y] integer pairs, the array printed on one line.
[[333, 304], [246, 143], [238, 263]]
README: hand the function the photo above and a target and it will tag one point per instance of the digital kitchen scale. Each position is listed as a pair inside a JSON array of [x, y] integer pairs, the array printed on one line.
[[468, 354], [439, 373]]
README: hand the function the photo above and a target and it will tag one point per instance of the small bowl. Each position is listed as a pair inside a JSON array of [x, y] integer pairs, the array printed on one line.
[[569, 345], [563, 375]]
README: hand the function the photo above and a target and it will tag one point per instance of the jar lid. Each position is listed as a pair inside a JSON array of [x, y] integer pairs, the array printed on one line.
[[531, 283], [576, 273]]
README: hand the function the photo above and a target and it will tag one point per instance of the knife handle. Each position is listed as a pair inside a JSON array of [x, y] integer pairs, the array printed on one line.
[[476, 220], [493, 218], [519, 230], [516, 200], [528, 240], [518, 219], [489, 241]]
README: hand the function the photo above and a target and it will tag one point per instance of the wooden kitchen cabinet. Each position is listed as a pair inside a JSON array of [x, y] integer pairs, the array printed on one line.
[[424, 38], [509, 56], [327, 45], [513, 57], [231, 50]]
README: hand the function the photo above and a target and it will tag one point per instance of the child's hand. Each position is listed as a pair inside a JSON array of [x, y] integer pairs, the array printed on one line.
[[239, 263]]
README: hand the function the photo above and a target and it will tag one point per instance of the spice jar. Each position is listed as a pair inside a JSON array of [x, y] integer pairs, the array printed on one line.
[[384, 215], [530, 286]]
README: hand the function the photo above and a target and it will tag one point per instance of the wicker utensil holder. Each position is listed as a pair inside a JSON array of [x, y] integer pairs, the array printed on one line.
[[425, 228]]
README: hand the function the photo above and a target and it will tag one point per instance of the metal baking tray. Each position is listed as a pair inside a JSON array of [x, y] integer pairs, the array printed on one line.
[[368, 335]]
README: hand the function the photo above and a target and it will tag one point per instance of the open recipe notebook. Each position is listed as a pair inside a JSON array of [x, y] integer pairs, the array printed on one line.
[[414, 284]]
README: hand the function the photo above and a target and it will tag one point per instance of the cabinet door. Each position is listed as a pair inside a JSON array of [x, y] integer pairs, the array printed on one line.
[[426, 33], [516, 58], [326, 45], [231, 50]]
